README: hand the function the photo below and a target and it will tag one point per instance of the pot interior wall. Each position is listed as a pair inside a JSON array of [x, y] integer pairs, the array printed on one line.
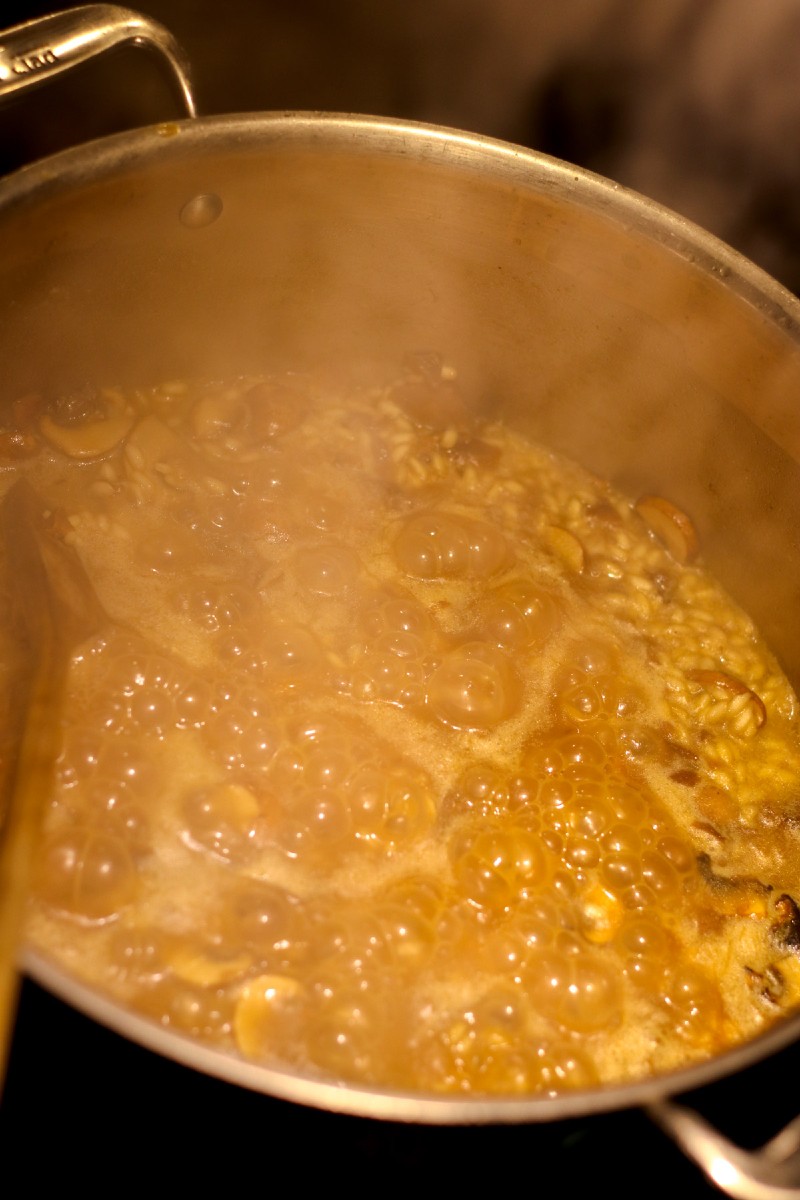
[[579, 317]]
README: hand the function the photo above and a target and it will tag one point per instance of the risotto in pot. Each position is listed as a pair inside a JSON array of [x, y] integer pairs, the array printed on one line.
[[410, 753]]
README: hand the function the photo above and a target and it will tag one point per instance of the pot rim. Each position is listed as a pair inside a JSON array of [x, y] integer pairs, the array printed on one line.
[[528, 170], [436, 144], [387, 1104]]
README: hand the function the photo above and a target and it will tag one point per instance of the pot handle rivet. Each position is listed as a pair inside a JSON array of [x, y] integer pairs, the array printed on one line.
[[201, 210]]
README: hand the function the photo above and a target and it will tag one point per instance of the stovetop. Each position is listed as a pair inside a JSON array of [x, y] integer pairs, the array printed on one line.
[[83, 1104]]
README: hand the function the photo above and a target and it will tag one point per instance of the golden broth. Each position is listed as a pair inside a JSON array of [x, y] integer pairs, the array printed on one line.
[[411, 753]]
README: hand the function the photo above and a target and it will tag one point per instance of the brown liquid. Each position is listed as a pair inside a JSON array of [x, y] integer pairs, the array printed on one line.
[[414, 755]]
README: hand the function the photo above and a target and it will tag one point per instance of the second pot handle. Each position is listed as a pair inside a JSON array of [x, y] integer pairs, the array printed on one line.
[[39, 49], [771, 1173]]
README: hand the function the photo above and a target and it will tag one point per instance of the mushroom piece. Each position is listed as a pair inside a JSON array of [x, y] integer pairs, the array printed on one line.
[[671, 526], [770, 984], [786, 930], [566, 547], [204, 969], [736, 895], [747, 710], [87, 440]]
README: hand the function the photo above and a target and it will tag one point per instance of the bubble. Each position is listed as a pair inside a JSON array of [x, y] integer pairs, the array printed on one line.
[[519, 615], [445, 546], [316, 823], [221, 820], [327, 570], [494, 867], [266, 920], [86, 873], [578, 991], [475, 687]]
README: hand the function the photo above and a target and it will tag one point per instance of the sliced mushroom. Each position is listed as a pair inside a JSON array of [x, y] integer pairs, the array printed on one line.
[[207, 970], [671, 526], [217, 414], [601, 916], [155, 450], [716, 805], [686, 777], [708, 830], [786, 930], [769, 985], [750, 710], [566, 547], [262, 1005], [89, 439], [736, 895]]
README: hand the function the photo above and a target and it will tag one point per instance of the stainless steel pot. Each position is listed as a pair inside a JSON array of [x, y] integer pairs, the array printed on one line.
[[586, 315]]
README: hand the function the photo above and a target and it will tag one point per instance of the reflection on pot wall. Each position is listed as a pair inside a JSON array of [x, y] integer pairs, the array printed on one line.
[[694, 105]]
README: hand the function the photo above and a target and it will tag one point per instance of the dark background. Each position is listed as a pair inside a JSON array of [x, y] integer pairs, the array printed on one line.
[[694, 104], [85, 1109]]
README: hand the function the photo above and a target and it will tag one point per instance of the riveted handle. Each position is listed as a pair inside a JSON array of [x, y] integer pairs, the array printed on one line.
[[771, 1173], [40, 49]]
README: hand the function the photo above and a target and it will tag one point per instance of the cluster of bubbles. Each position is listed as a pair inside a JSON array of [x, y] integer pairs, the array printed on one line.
[[518, 915]]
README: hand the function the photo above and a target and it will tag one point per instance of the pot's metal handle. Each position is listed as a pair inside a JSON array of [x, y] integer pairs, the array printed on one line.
[[39, 49], [771, 1173]]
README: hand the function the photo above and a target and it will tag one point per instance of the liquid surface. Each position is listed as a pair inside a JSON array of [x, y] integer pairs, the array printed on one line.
[[411, 753]]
